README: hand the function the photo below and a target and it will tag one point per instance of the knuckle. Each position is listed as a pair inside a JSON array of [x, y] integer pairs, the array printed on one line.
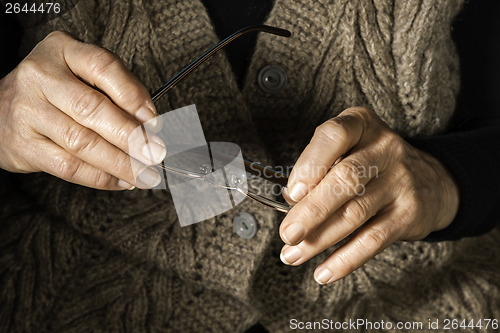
[[317, 210], [88, 104], [103, 180], [79, 139], [355, 212], [121, 165], [122, 134], [19, 110], [27, 70], [17, 164], [365, 112], [346, 264], [66, 167], [56, 35], [100, 60], [347, 176], [406, 178], [358, 113], [331, 132], [414, 206], [391, 142], [366, 115], [358, 109], [373, 240], [19, 117], [131, 95]]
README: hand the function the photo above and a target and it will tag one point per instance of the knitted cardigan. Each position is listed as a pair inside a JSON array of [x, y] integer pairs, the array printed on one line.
[[74, 259]]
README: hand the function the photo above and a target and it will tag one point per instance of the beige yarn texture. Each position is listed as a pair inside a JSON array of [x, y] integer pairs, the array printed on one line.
[[73, 259]]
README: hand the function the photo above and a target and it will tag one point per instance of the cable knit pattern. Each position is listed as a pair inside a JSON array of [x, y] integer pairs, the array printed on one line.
[[74, 259]]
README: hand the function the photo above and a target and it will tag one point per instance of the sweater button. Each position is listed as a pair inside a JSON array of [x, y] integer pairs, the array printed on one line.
[[245, 225], [272, 79]]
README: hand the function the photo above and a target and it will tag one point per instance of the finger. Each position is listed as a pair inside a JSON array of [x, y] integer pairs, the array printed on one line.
[[103, 69], [286, 196], [93, 110], [87, 145], [344, 181], [341, 224], [56, 161], [330, 141], [372, 239]]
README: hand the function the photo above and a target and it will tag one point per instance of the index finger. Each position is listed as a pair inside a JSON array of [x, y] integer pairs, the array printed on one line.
[[103, 69], [330, 141]]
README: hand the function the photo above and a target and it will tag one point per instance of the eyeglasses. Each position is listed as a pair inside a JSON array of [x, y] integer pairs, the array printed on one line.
[[189, 68], [202, 162]]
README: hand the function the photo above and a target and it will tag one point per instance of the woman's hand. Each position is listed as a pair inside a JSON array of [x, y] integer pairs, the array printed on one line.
[[356, 173], [68, 109]]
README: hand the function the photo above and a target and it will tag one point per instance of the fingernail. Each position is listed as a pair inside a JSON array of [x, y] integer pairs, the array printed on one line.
[[323, 275], [125, 185], [293, 233], [286, 196], [146, 115], [298, 191], [150, 177], [154, 152], [290, 255]]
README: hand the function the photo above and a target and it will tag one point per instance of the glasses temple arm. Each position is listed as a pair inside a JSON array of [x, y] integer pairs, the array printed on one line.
[[182, 74], [284, 208]]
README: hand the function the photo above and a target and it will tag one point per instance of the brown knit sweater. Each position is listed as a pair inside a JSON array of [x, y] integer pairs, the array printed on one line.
[[73, 259]]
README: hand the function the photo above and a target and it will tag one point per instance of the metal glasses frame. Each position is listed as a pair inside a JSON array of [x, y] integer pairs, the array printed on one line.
[[186, 71]]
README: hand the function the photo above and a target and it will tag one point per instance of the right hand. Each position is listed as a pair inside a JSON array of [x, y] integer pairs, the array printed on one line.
[[68, 109]]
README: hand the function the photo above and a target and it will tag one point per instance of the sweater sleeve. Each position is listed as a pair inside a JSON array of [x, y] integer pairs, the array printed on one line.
[[469, 149], [473, 158]]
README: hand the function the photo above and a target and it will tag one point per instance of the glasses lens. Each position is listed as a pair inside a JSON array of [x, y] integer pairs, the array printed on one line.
[[204, 180]]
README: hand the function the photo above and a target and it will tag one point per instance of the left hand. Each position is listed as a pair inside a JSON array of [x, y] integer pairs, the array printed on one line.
[[356, 173]]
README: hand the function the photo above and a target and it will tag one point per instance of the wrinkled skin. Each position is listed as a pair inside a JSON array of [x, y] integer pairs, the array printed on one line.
[[68, 109], [358, 173]]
